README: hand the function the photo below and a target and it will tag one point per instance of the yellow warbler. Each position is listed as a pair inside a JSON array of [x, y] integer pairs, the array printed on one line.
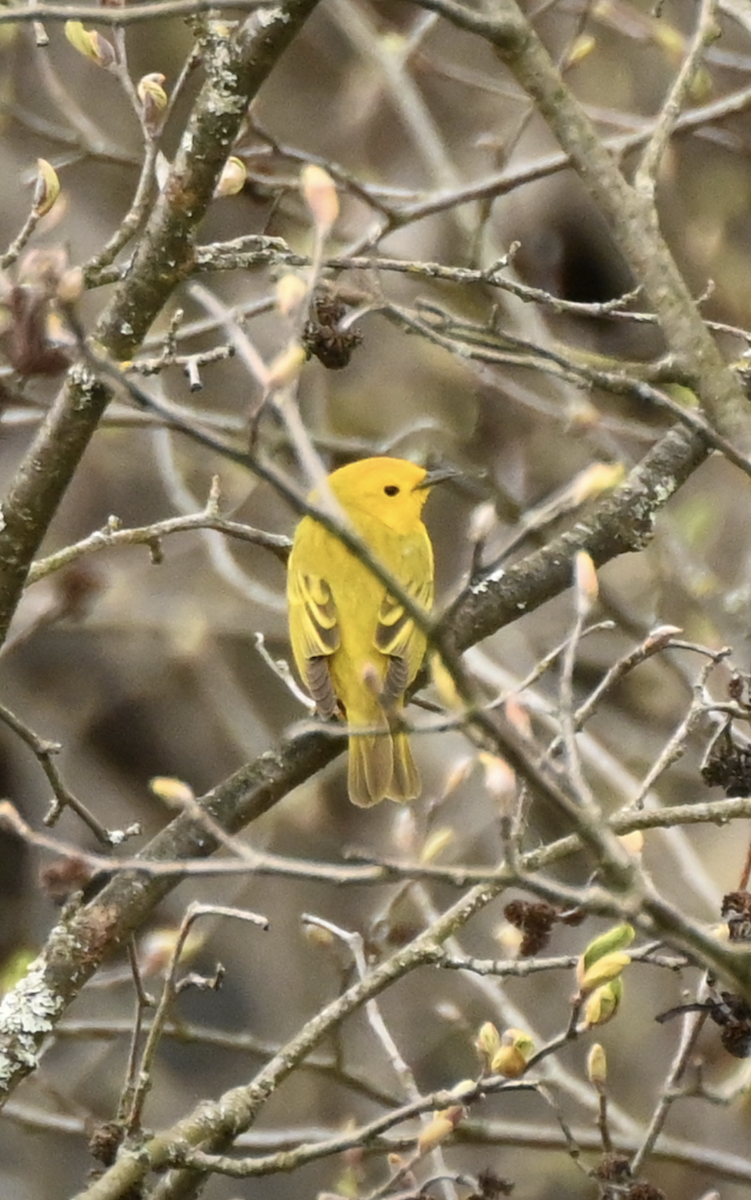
[[354, 645]]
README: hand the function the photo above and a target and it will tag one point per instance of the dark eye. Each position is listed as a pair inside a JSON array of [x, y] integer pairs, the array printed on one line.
[[391, 489]]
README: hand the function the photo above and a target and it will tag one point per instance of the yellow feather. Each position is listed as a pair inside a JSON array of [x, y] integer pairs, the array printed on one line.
[[342, 616]]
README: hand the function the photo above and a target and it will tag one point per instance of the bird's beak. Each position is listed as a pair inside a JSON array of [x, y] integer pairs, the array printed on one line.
[[438, 475]]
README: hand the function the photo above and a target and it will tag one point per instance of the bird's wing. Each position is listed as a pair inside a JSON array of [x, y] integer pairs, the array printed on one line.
[[396, 636], [315, 635]]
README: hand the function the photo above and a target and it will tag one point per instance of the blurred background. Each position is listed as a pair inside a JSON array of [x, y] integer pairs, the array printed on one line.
[[141, 670]]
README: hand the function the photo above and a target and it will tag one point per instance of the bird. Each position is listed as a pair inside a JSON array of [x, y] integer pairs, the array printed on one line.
[[355, 647]]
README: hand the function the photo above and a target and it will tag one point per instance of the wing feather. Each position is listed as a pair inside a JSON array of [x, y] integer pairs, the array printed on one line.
[[396, 681], [397, 637], [321, 687], [395, 630], [315, 615], [314, 626]]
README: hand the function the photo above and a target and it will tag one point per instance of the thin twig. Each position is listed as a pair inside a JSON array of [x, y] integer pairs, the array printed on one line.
[[112, 534], [381, 870], [44, 751], [653, 153], [676, 744], [692, 1027]]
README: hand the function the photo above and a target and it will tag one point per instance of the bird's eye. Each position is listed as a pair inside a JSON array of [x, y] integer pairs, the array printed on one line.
[[391, 489]]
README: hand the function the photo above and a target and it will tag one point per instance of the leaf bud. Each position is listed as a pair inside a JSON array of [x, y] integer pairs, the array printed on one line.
[[509, 938], [319, 193], [603, 1003], [617, 938], [232, 179], [90, 44], [318, 937], [458, 773], [435, 1132], [291, 290], [500, 778], [587, 586], [516, 1049], [597, 1067], [633, 842], [607, 968], [174, 792], [286, 366], [581, 49], [47, 187], [153, 98], [436, 842], [509, 1061], [158, 947], [483, 520], [487, 1043], [518, 715], [598, 478]]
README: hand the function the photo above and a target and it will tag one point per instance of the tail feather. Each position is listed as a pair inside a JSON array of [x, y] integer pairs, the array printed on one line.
[[380, 768], [405, 779], [370, 769]]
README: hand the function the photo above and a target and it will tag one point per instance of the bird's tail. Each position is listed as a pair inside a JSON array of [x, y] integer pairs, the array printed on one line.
[[381, 767], [405, 778]]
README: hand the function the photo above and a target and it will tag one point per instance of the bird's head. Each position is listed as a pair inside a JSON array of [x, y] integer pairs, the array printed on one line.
[[393, 490]]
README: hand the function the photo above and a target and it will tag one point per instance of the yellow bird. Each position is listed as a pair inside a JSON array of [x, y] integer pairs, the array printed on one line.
[[355, 647]]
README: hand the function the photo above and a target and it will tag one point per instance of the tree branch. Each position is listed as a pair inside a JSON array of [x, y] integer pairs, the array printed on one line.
[[621, 522], [630, 214], [236, 66]]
